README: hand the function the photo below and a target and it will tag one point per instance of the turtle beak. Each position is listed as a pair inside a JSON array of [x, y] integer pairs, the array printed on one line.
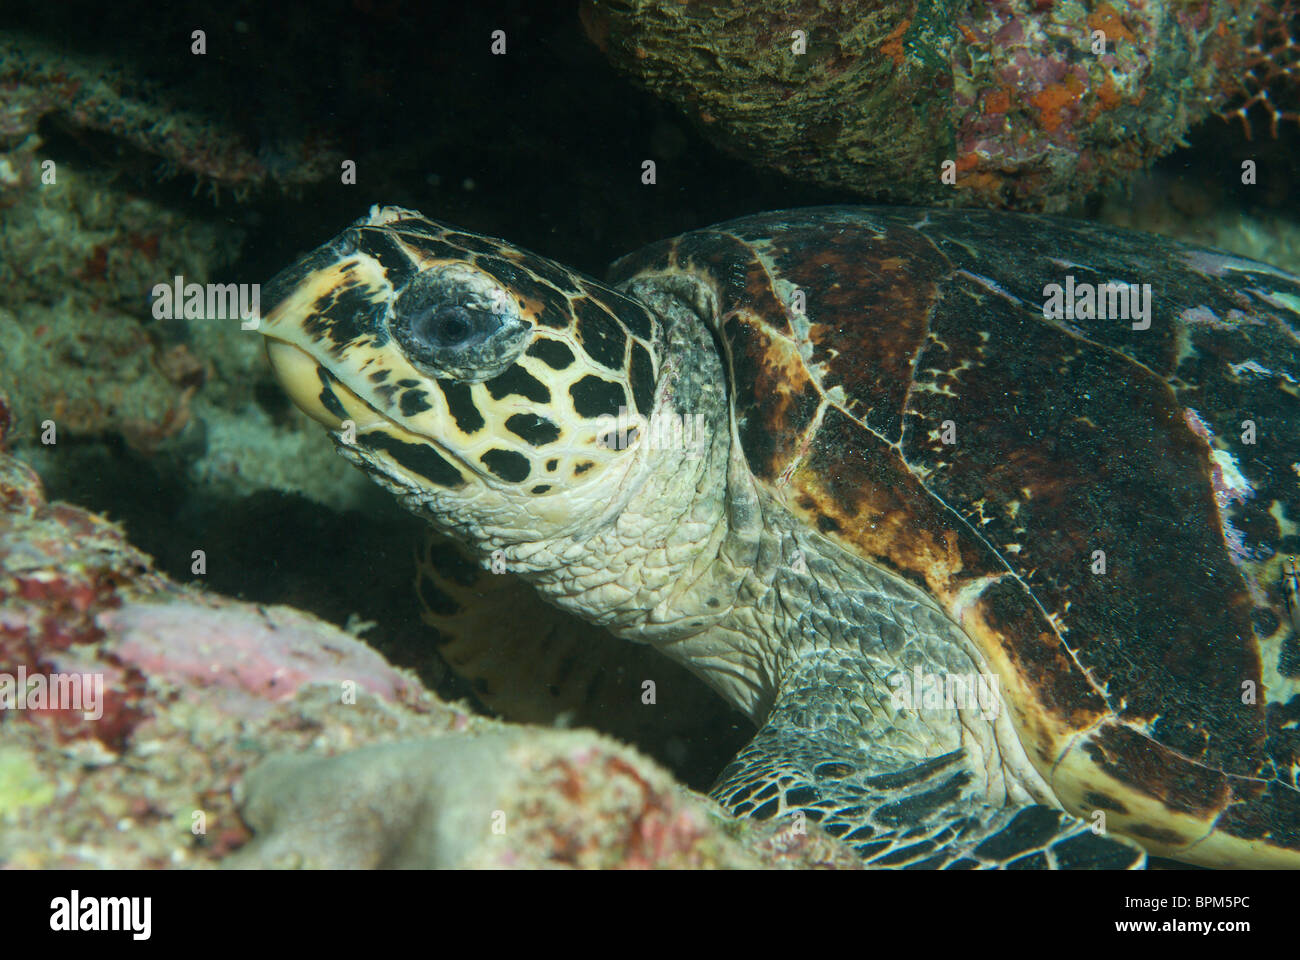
[[316, 392], [301, 378], [292, 298]]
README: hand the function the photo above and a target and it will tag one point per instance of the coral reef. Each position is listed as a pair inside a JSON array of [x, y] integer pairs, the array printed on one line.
[[82, 350], [216, 716], [1035, 105], [104, 96], [504, 797]]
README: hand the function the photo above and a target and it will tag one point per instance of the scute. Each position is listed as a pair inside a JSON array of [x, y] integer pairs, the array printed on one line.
[[921, 411]]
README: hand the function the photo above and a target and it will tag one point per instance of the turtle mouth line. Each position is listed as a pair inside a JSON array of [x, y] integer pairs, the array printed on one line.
[[328, 400]]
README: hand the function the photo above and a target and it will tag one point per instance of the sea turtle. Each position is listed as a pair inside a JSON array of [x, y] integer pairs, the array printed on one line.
[[983, 517]]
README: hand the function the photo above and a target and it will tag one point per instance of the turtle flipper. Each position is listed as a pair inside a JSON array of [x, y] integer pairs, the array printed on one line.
[[524, 659], [530, 662], [898, 809]]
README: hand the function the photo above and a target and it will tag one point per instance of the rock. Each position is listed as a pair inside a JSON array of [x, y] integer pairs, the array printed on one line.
[[1030, 105], [344, 759], [110, 97], [505, 797]]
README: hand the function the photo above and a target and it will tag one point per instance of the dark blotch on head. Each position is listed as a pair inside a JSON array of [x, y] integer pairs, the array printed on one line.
[[634, 316], [275, 290], [553, 353], [507, 465], [460, 401], [383, 246], [344, 317], [413, 402], [643, 379], [601, 335], [419, 459], [554, 274], [534, 429], [541, 488], [328, 398], [552, 464], [379, 376], [554, 306], [593, 397], [519, 381]]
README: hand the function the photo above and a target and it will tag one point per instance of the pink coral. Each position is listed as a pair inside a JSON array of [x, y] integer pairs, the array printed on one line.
[[253, 656]]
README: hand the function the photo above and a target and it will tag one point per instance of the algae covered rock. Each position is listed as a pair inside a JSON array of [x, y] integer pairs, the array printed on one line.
[[1008, 103], [521, 797], [201, 723]]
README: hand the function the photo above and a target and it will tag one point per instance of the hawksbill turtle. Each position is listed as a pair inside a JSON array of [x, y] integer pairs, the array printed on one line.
[[985, 519]]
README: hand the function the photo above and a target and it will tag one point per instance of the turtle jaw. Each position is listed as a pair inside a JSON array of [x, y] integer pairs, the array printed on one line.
[[347, 416], [299, 377]]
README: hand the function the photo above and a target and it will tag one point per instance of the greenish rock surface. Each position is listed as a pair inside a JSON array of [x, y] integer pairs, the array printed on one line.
[[22, 785], [1011, 104]]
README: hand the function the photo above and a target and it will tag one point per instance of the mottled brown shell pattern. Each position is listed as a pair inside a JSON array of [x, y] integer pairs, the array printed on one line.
[[1107, 509]]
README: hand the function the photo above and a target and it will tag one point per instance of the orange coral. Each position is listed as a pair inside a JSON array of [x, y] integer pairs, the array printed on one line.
[[1108, 21], [1051, 102], [1107, 99], [999, 101], [893, 45]]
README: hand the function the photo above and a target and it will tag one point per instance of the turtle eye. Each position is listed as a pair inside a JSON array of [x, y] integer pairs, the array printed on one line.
[[457, 322], [453, 327]]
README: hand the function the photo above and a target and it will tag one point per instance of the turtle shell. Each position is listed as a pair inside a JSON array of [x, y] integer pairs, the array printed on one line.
[[1107, 506]]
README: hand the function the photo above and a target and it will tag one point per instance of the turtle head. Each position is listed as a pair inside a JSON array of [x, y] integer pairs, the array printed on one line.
[[494, 391]]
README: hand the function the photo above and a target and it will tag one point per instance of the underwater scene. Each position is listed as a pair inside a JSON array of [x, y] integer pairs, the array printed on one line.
[[747, 434]]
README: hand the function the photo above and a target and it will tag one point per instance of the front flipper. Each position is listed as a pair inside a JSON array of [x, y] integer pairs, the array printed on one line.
[[895, 809], [530, 662]]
